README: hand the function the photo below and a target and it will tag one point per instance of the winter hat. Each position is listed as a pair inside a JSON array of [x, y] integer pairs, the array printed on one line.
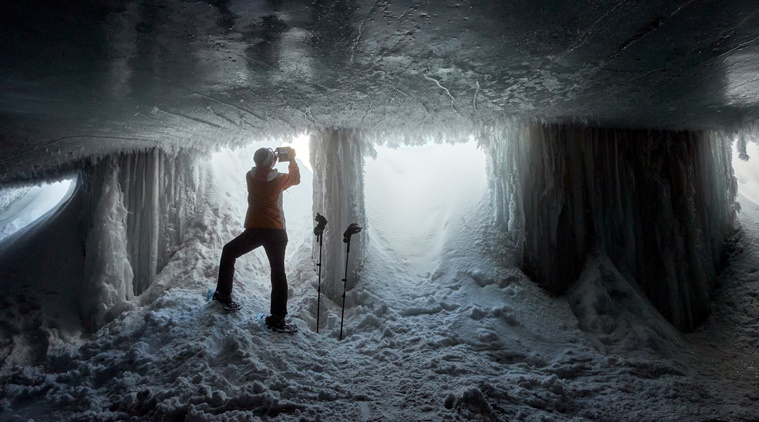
[[263, 157]]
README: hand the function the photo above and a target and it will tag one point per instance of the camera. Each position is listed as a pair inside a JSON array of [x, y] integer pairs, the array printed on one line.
[[283, 153]]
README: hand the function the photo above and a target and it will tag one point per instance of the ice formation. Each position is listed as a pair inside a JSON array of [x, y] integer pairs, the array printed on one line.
[[143, 201], [337, 157], [128, 216], [108, 274], [159, 193], [659, 204]]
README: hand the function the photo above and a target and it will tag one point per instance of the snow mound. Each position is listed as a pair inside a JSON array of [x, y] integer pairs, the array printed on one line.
[[617, 313]]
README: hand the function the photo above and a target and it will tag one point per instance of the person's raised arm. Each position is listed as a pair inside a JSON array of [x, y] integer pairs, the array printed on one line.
[[293, 171]]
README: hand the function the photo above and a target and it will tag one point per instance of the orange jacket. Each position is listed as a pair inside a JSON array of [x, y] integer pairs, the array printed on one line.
[[265, 188]]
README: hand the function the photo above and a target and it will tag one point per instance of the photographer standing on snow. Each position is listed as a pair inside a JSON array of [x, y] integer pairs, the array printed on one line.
[[264, 226]]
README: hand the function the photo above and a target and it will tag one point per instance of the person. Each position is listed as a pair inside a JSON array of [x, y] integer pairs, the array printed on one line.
[[264, 226]]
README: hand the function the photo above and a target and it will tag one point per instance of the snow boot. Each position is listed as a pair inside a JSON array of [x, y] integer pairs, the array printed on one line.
[[278, 324], [227, 303], [275, 322]]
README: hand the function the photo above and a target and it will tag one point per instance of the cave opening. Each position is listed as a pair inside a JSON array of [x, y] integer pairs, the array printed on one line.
[[21, 207], [417, 197]]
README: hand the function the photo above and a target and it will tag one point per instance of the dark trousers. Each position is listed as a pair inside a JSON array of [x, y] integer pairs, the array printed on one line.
[[274, 242]]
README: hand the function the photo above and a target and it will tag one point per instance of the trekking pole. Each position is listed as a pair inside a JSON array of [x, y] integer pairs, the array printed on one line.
[[319, 232], [353, 228]]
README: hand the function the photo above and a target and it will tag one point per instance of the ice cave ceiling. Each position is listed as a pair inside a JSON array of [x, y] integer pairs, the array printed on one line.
[[89, 77]]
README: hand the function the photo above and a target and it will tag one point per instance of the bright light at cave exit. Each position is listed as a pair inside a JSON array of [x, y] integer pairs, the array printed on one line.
[[747, 172], [418, 197], [21, 207], [302, 151]]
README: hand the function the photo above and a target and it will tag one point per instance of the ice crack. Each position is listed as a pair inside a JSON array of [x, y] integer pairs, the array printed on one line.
[[440, 86]]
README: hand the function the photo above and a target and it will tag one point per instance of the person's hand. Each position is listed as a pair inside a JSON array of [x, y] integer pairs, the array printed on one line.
[[291, 154]]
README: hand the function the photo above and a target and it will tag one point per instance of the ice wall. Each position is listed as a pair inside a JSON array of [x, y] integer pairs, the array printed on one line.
[[160, 193], [337, 156], [108, 274], [142, 202], [659, 204]]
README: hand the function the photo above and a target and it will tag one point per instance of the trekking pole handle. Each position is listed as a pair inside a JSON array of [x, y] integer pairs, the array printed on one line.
[[321, 222], [352, 229]]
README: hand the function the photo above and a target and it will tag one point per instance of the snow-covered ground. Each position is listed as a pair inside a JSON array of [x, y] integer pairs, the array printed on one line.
[[442, 326]]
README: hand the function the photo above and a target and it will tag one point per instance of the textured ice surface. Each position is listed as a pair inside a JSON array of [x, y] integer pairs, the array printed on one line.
[[659, 204], [159, 194], [120, 77], [338, 159], [108, 273]]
